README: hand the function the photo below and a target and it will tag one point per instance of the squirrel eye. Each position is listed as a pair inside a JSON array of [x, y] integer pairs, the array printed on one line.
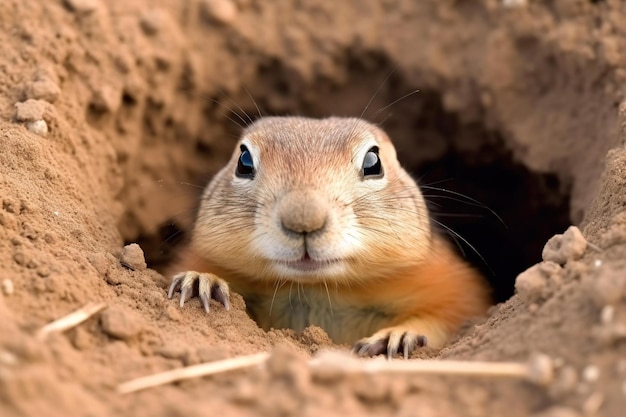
[[371, 164], [245, 166]]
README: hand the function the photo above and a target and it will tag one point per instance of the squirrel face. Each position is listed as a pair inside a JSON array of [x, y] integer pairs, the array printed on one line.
[[310, 200]]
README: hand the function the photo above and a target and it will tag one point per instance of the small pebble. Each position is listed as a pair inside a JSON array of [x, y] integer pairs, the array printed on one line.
[[7, 358], [597, 263], [132, 257], [591, 373], [541, 369], [82, 6], [38, 127], [607, 314], [7, 287], [220, 11], [514, 3], [571, 245]]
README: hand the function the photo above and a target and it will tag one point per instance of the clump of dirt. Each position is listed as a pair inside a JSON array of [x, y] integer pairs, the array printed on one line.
[[114, 114]]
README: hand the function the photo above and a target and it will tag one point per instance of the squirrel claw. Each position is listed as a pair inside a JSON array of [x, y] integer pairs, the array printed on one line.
[[364, 348], [389, 342], [205, 285]]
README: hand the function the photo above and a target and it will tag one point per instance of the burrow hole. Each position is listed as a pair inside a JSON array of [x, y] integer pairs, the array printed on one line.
[[497, 211]]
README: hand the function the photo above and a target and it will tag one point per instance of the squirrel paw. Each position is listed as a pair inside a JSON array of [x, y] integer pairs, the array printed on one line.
[[391, 341], [203, 284]]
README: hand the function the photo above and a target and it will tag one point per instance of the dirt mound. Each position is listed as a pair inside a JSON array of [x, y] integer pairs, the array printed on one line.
[[114, 114]]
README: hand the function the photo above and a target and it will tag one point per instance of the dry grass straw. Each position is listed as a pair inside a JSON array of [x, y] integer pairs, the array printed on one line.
[[71, 320], [538, 370]]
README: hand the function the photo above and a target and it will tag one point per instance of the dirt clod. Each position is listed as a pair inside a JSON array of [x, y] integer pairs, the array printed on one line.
[[132, 257], [531, 283], [538, 281], [43, 88], [30, 110], [121, 323], [571, 245]]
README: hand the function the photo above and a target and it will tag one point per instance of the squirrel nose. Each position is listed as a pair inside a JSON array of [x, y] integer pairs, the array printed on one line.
[[302, 212]]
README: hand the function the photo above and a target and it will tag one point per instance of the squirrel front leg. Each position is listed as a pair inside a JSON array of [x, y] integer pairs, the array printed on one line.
[[197, 280], [426, 303], [404, 338]]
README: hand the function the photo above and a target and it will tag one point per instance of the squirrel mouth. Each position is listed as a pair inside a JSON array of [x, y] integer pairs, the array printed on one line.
[[308, 264]]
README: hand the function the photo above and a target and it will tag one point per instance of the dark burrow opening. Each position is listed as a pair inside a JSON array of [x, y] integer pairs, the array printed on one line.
[[497, 211]]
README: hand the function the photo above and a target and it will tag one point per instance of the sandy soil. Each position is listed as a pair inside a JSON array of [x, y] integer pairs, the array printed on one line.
[[113, 114]]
